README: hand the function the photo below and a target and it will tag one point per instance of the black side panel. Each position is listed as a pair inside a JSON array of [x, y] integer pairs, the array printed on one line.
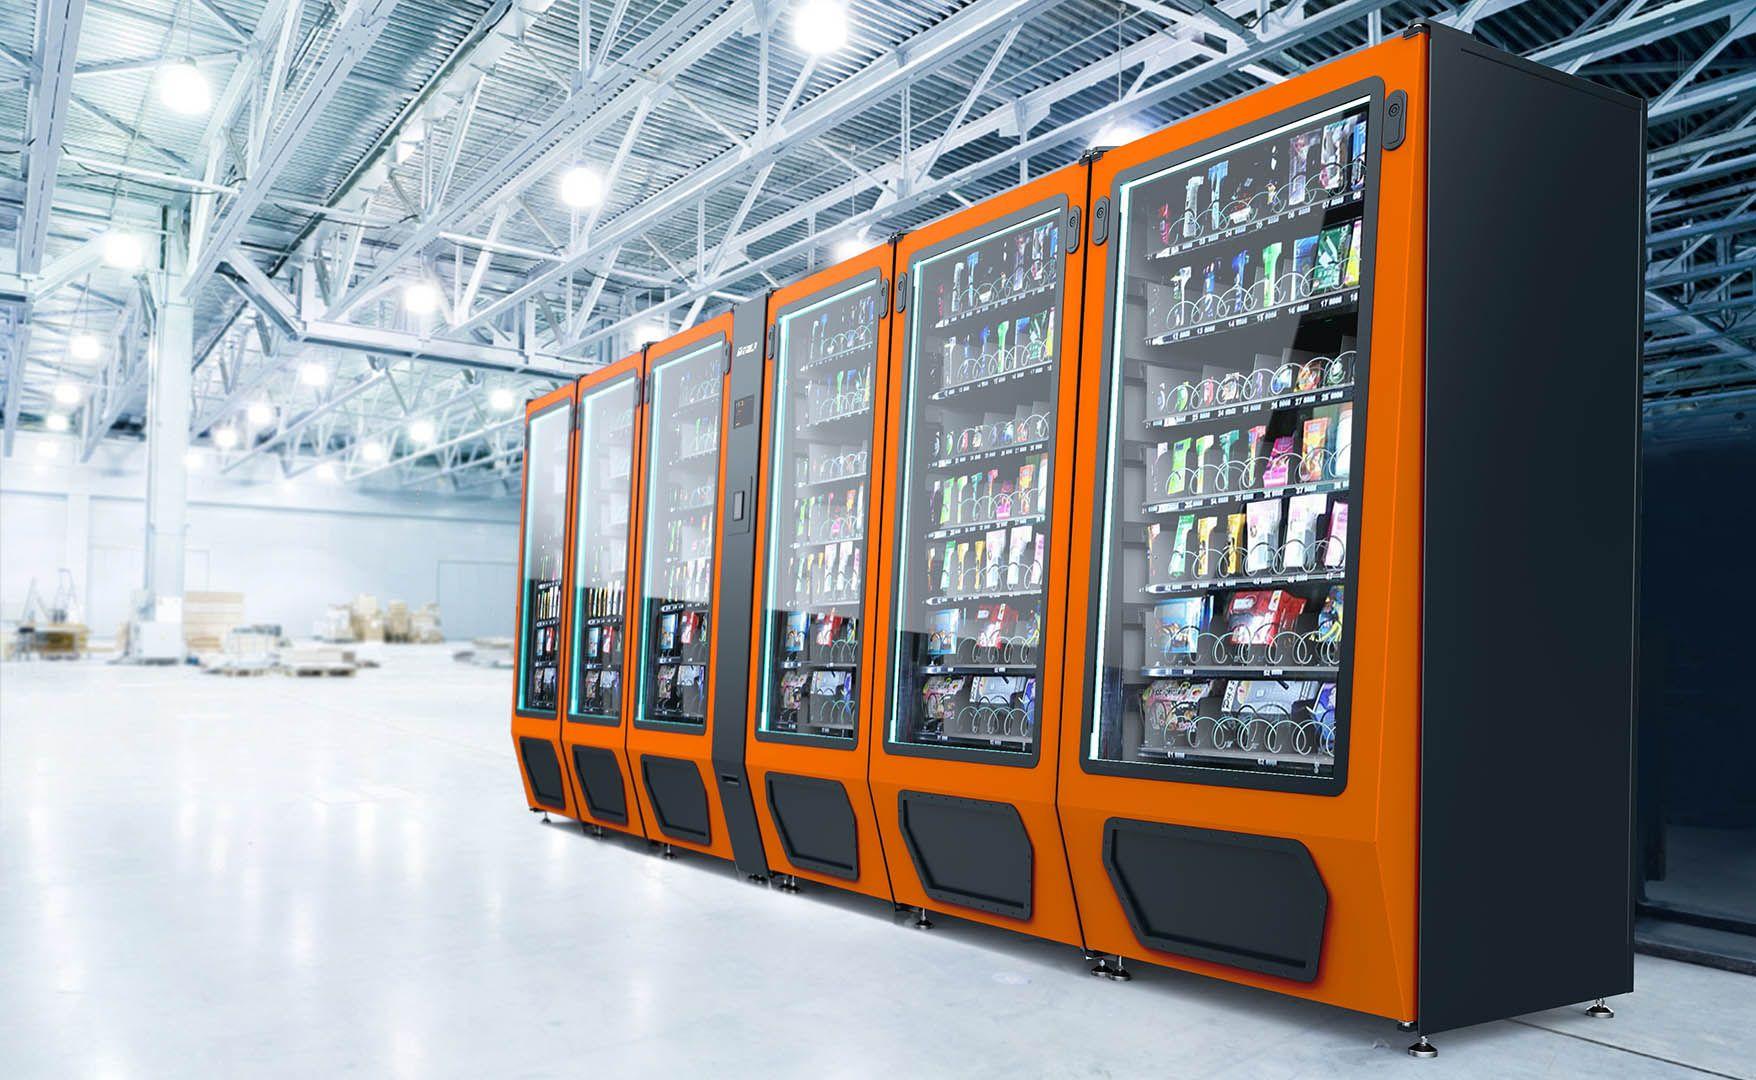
[[968, 851], [737, 585], [1532, 454], [678, 799], [543, 769], [1253, 902], [816, 824], [601, 780]]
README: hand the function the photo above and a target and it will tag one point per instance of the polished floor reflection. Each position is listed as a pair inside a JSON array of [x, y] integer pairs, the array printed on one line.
[[306, 877]]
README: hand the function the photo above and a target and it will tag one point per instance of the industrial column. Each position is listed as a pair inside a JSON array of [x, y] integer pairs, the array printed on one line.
[[157, 633]]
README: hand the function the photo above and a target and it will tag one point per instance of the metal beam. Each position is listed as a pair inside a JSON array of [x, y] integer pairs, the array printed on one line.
[[359, 25], [1093, 121], [1655, 24], [581, 118], [53, 59], [950, 39], [283, 310]]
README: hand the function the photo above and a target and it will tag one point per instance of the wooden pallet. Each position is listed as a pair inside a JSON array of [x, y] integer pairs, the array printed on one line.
[[311, 671]]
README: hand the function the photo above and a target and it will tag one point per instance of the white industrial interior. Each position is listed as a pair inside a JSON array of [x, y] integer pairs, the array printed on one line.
[[277, 278]]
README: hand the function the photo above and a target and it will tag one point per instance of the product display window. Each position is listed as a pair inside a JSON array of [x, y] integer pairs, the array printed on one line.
[[1234, 396], [682, 496], [983, 354], [817, 521], [600, 557], [545, 529]]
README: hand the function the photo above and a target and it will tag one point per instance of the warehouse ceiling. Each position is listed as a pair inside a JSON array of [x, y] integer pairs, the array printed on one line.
[[358, 161]]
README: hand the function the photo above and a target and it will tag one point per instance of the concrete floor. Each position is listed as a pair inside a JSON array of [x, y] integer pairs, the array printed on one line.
[[208, 876]]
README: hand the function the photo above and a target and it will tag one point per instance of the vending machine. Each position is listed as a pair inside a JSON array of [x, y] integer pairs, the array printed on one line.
[[542, 575], [679, 585], [1349, 712], [812, 680], [977, 492], [594, 735]]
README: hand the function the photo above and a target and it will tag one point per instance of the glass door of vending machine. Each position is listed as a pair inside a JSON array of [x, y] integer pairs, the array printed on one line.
[[603, 527], [807, 754], [542, 569], [1219, 558], [668, 744], [1235, 394], [986, 368]]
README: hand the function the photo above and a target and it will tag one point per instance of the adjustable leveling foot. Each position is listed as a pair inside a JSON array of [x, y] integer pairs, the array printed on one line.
[[1600, 1011], [786, 883], [667, 851], [921, 920], [1114, 971], [1423, 1049]]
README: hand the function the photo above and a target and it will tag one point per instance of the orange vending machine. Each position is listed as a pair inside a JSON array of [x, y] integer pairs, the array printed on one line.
[[1350, 716], [594, 736], [542, 572], [679, 586], [978, 495], [812, 682]]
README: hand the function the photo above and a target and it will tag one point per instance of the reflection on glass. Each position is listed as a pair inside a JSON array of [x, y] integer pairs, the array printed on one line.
[[682, 486], [1226, 570], [545, 526], [817, 520], [600, 557], [983, 350]]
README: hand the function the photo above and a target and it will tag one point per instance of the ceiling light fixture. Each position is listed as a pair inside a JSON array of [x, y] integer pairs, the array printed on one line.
[[123, 251], [260, 414], [183, 88], [420, 297], [83, 347], [1118, 133], [57, 422], [326, 472], [849, 246], [66, 393], [501, 399], [581, 187], [372, 450], [225, 438], [646, 333], [311, 374], [820, 26], [421, 431]]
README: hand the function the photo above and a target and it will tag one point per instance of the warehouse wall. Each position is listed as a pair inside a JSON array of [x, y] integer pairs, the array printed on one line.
[[291, 547]]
